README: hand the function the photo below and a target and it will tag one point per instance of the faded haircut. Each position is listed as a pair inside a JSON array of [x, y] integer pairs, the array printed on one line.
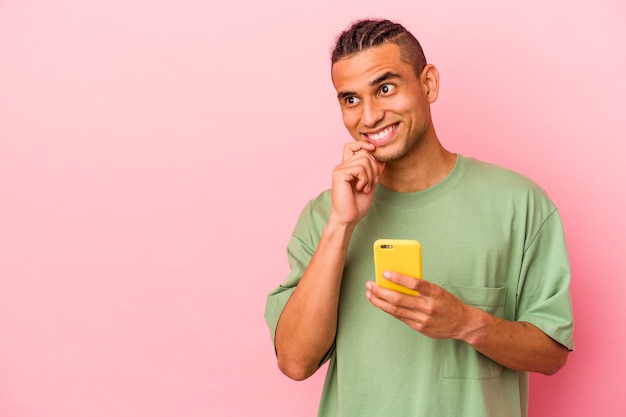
[[367, 33]]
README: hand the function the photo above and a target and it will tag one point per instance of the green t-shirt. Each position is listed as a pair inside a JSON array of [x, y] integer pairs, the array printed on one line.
[[489, 236]]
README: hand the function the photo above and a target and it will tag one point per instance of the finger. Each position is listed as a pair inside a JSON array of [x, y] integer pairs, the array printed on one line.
[[361, 170], [362, 149], [353, 148], [370, 169], [377, 166], [413, 283], [363, 176], [399, 305]]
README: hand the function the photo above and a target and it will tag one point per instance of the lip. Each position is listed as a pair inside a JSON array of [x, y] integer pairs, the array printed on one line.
[[388, 133]]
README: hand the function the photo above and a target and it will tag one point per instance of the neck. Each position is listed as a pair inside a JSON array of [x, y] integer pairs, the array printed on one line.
[[419, 170]]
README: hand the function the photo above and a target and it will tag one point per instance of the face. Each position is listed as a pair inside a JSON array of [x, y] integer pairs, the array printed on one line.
[[383, 101]]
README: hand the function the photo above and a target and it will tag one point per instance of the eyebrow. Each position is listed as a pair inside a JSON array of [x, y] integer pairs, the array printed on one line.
[[342, 95], [385, 77]]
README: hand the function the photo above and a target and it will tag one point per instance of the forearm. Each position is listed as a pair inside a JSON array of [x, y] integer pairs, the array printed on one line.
[[307, 326], [519, 346]]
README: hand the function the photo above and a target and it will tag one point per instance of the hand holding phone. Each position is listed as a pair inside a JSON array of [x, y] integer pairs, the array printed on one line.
[[399, 255]]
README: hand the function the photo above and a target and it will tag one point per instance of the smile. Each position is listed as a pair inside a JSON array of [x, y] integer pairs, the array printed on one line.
[[383, 134]]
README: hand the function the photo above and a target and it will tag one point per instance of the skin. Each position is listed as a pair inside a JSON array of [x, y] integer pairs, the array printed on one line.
[[386, 109]]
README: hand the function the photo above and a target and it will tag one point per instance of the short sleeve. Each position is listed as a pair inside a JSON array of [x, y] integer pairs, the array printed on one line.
[[300, 249], [298, 255], [543, 294]]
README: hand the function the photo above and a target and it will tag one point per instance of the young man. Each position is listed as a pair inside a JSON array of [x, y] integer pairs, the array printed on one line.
[[494, 303]]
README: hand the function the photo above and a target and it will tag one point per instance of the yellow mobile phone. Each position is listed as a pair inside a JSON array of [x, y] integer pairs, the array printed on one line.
[[399, 255]]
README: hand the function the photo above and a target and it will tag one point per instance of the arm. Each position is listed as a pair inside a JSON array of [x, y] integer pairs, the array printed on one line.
[[517, 345], [439, 314], [307, 326]]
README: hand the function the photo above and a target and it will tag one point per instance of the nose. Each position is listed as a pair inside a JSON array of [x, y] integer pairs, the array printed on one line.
[[372, 113]]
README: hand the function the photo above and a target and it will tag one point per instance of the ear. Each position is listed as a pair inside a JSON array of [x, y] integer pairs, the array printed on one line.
[[430, 82]]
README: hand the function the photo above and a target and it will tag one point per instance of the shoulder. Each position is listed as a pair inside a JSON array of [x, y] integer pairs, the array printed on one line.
[[320, 205], [314, 215], [500, 177], [497, 174], [501, 184]]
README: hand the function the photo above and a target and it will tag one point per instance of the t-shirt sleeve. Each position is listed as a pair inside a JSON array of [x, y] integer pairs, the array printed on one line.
[[300, 249], [543, 294], [298, 254]]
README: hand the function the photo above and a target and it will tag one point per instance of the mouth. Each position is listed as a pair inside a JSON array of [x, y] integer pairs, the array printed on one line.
[[381, 135]]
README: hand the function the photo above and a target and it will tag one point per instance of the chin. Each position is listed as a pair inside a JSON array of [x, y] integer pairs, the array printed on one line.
[[387, 156]]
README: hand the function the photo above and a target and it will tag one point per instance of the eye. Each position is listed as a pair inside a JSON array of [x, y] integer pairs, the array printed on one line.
[[351, 100], [387, 88]]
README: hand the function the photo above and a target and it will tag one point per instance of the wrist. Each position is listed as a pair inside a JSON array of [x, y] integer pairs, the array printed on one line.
[[336, 229], [338, 224], [474, 330]]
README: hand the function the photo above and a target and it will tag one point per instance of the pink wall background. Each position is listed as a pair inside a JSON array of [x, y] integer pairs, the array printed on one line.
[[154, 157]]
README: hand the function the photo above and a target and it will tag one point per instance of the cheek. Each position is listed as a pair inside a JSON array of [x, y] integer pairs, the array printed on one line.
[[350, 120], [405, 104]]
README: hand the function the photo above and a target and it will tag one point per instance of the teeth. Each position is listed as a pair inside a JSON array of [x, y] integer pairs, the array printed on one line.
[[382, 134]]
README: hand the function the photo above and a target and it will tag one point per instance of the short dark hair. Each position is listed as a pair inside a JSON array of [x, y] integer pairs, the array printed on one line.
[[368, 33]]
